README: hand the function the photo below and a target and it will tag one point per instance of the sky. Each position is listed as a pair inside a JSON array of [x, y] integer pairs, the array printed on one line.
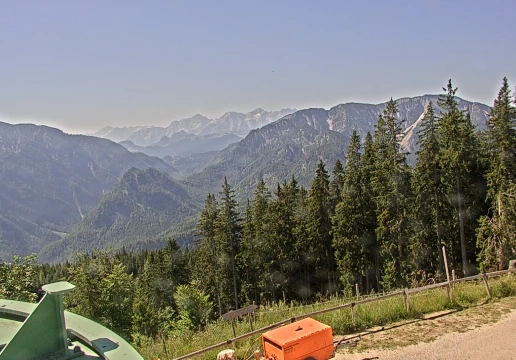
[[82, 65]]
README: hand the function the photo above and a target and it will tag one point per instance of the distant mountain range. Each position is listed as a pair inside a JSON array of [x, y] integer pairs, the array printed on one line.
[[294, 144], [230, 123], [63, 193], [195, 135], [184, 144], [49, 181]]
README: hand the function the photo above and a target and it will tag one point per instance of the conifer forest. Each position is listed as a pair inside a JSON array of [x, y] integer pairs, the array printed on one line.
[[371, 220]]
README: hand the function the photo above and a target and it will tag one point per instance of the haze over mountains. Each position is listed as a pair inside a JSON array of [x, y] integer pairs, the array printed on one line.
[[143, 205], [63, 193], [50, 180], [231, 122], [184, 144]]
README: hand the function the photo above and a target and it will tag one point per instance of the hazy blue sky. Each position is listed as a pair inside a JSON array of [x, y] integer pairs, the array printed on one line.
[[81, 65]]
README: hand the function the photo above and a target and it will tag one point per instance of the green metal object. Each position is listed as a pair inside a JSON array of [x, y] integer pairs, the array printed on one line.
[[44, 331], [50, 333]]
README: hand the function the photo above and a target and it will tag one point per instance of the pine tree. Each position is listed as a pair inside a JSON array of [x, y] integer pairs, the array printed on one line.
[[254, 248], [228, 233], [390, 179], [259, 245], [458, 162], [175, 264], [275, 225], [145, 308], [495, 237], [371, 248], [247, 256], [319, 229], [207, 269], [290, 267], [281, 265], [304, 286], [426, 245], [336, 184], [348, 221]]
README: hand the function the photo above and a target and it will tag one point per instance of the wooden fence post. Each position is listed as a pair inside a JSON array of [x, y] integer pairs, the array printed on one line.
[[233, 326], [234, 314], [484, 277], [454, 277], [450, 295], [357, 291], [251, 318], [406, 299]]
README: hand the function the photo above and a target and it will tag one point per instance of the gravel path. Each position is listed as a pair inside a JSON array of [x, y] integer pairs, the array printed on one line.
[[495, 341]]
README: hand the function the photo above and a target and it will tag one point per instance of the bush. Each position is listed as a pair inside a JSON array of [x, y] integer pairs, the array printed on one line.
[[18, 279], [193, 306]]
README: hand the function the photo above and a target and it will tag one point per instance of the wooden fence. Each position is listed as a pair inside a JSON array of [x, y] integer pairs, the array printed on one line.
[[405, 293]]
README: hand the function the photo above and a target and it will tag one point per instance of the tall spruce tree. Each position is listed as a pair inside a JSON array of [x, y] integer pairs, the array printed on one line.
[[390, 179], [371, 248], [304, 286], [276, 224], [175, 264], [495, 237], [348, 221], [336, 184], [228, 233], [458, 162], [249, 290], [426, 244], [254, 242], [319, 230], [282, 241], [207, 269], [145, 304]]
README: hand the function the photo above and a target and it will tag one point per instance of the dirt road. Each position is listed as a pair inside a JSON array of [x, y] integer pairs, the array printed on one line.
[[486, 332]]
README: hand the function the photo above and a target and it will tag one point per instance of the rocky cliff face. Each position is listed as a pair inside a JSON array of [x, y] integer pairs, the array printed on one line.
[[294, 144]]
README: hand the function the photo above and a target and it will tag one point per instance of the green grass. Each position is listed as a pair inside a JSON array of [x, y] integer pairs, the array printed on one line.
[[372, 314]]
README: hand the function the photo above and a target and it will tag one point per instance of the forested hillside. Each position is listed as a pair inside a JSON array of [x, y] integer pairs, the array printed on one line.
[[50, 180], [375, 222], [293, 145], [138, 212], [182, 144]]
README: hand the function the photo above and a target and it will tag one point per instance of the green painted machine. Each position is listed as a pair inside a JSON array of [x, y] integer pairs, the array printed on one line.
[[45, 331]]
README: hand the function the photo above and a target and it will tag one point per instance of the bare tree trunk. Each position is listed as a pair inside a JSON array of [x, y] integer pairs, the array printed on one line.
[[328, 264], [439, 236], [464, 254], [366, 273], [234, 280], [218, 299], [216, 269], [377, 268], [272, 291]]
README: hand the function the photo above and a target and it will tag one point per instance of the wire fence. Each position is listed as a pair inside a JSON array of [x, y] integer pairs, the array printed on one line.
[[360, 300]]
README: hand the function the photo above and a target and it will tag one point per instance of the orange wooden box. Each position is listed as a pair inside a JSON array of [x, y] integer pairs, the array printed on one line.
[[304, 339]]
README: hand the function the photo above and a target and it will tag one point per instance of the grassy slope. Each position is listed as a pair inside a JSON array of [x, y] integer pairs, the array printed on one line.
[[377, 313]]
